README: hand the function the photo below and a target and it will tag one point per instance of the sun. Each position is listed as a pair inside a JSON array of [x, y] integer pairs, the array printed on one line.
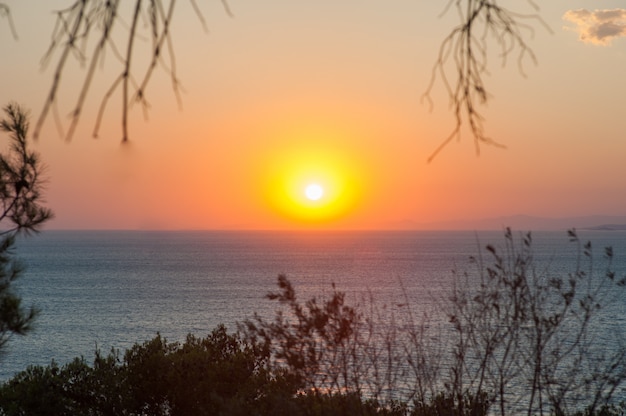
[[314, 192], [311, 180], [312, 188]]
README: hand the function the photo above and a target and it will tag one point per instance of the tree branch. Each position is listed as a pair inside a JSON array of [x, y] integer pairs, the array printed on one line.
[[74, 27], [465, 48], [6, 12]]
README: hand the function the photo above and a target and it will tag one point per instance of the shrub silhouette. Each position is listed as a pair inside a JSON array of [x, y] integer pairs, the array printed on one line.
[[524, 325]]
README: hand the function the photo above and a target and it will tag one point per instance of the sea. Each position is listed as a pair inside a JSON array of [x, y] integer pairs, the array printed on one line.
[[112, 289]]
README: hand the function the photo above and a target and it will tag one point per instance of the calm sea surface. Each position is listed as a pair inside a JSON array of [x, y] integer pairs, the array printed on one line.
[[104, 289]]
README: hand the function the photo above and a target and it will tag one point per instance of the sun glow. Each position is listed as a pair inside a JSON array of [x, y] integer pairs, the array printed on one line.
[[312, 188], [314, 192]]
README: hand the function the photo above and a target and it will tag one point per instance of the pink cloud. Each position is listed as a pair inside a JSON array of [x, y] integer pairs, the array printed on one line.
[[599, 27]]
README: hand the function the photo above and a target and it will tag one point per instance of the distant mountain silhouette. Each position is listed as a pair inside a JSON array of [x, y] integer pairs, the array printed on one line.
[[519, 222], [609, 227]]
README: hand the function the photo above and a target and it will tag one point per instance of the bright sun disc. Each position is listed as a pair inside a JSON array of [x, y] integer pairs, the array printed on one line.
[[314, 192], [311, 187]]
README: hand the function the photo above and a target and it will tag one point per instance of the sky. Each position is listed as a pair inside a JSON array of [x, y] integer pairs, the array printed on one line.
[[288, 93]]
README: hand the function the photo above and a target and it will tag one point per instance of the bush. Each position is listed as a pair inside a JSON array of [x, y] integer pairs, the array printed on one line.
[[215, 375]]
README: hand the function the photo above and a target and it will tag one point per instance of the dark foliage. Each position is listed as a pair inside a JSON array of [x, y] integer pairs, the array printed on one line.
[[21, 212]]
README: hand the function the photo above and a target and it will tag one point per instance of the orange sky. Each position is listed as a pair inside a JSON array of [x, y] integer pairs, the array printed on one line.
[[292, 91]]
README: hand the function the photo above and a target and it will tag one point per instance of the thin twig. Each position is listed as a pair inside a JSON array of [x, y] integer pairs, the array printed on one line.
[[126, 74], [76, 24], [6, 12]]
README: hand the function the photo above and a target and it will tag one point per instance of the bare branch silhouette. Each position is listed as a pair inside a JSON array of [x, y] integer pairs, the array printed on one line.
[[466, 49], [461, 63], [86, 19], [6, 12]]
